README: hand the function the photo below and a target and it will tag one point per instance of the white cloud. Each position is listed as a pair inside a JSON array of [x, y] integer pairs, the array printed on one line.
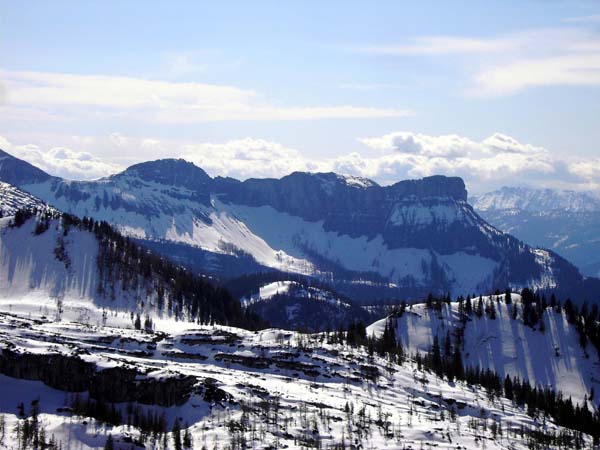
[[586, 169], [70, 96], [501, 143], [408, 142], [496, 160], [187, 62], [484, 164], [579, 69], [61, 161], [246, 158], [509, 63]]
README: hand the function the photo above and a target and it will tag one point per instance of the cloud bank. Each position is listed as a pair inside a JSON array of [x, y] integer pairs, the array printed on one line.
[[484, 164], [61, 161]]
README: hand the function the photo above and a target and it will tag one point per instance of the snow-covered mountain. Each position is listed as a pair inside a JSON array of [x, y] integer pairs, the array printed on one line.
[[567, 222], [537, 200], [547, 354], [367, 241]]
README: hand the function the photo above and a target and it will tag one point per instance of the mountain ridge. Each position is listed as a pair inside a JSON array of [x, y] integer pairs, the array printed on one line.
[[368, 241]]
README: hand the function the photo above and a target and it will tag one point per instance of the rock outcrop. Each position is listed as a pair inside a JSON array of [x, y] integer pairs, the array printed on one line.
[[116, 384]]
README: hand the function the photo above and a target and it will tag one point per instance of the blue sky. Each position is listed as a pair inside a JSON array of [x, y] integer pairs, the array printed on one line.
[[497, 92]]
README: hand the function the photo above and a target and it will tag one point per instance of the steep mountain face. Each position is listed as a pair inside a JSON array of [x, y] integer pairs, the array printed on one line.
[[367, 241], [565, 221]]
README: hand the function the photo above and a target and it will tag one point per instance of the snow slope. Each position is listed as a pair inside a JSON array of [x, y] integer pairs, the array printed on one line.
[[550, 358], [277, 389], [27, 261], [12, 199], [64, 268], [32, 276]]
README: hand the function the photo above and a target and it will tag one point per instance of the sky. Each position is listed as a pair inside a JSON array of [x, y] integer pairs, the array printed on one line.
[[499, 93]]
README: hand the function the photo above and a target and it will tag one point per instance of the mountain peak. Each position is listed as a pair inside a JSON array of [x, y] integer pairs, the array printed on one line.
[[17, 172], [171, 172]]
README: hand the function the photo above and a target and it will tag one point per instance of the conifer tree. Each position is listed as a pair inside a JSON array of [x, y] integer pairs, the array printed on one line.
[[187, 438], [507, 297], [436, 357], [177, 435], [109, 445]]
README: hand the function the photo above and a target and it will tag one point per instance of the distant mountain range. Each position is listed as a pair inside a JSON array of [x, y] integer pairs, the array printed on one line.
[[89, 318], [567, 222], [537, 200], [366, 241]]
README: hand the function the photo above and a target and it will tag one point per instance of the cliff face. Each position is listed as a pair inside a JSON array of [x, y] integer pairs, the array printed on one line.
[[322, 195]]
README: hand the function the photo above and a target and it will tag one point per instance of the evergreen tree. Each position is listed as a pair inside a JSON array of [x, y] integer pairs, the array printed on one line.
[[177, 435], [507, 296], [447, 345], [468, 305], [457, 364], [491, 310], [429, 301], [436, 357], [148, 325], [479, 310], [109, 445], [388, 340], [187, 438], [508, 388]]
